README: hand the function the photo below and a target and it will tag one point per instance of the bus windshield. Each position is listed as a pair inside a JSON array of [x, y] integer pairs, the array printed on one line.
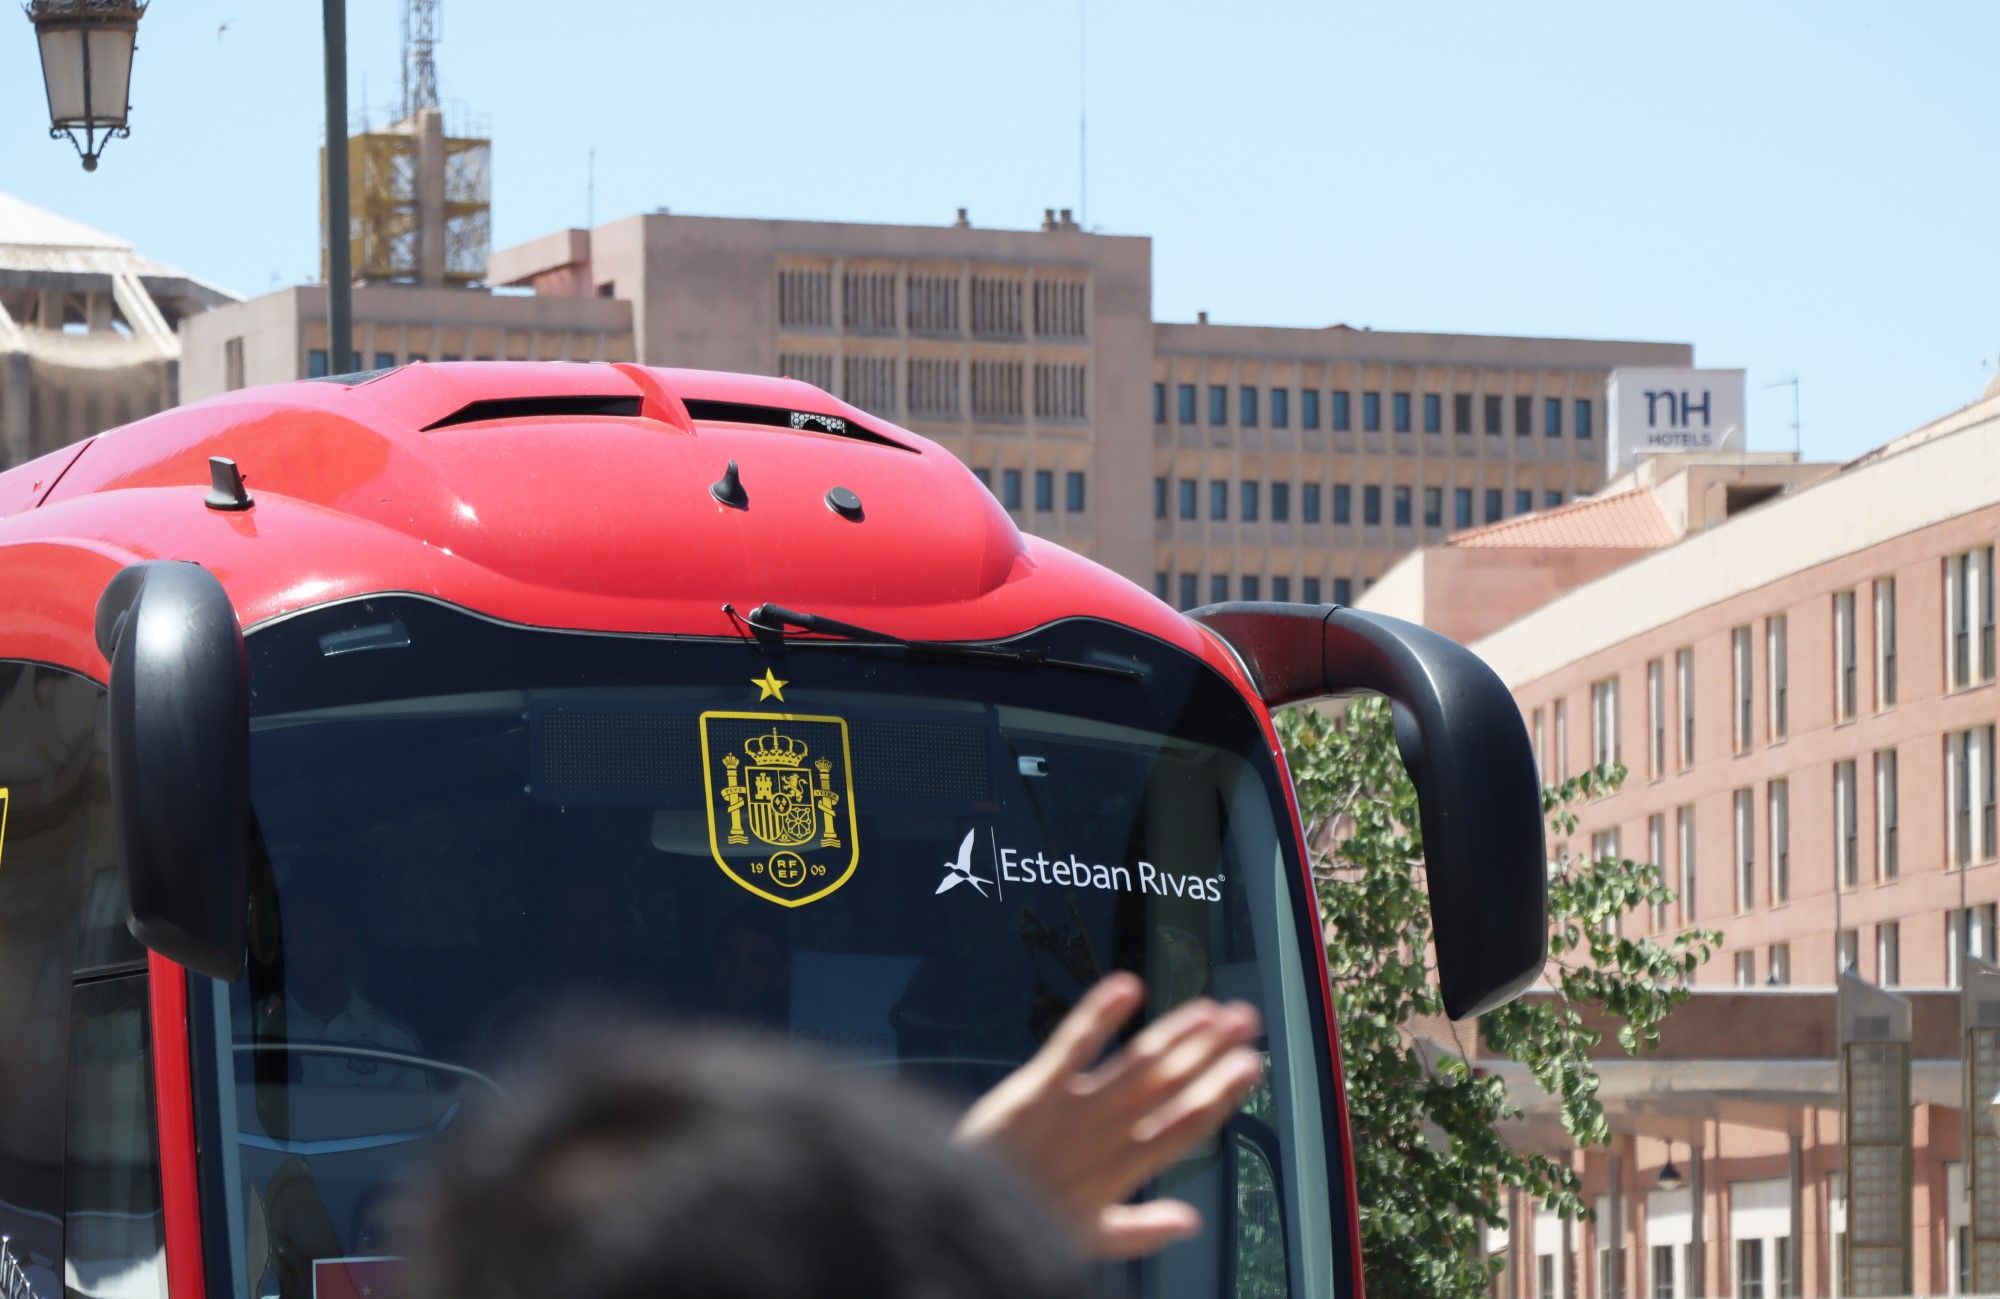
[[913, 864]]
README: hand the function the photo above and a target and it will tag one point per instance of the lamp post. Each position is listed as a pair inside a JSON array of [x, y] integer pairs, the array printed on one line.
[[87, 68], [339, 271]]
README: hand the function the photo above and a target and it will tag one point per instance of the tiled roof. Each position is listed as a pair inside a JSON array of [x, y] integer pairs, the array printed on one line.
[[1628, 520]]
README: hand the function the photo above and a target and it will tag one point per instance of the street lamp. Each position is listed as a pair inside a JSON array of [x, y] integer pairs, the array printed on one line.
[[87, 67]]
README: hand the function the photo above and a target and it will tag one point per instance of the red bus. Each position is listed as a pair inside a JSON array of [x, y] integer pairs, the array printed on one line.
[[352, 723]]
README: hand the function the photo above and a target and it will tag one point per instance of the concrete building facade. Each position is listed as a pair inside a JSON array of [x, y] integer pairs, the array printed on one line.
[[87, 330], [1205, 461], [1799, 677]]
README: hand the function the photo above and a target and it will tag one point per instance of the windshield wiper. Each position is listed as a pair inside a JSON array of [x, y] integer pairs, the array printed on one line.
[[773, 619]]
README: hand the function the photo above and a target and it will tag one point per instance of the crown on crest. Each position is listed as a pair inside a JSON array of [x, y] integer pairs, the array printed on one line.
[[775, 750]]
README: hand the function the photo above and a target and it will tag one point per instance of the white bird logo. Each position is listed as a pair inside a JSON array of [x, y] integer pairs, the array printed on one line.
[[960, 871]]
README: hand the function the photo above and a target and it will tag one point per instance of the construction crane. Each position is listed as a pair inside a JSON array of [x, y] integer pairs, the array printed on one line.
[[420, 36]]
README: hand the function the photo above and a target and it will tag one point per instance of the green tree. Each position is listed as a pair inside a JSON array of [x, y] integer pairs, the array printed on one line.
[[1429, 1156]]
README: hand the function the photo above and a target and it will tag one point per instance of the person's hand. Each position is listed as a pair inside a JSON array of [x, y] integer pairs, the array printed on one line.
[[1092, 1136]]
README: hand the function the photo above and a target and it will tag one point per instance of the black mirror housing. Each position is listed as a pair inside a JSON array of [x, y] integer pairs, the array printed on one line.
[[1461, 738], [180, 761]]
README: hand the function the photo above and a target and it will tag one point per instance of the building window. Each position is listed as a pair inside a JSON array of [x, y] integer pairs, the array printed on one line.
[[1749, 1253], [1656, 720], [1604, 747], [1281, 502], [1746, 977], [868, 302], [805, 298], [1551, 500], [1545, 1277], [1780, 966], [1371, 412], [1562, 739], [1251, 587], [1246, 406], [1250, 502], [1184, 403], [1490, 409], [996, 307], [870, 383], [1309, 590], [1847, 950], [1309, 502], [1188, 596], [1045, 490], [385, 361], [1968, 933], [1434, 507], [1524, 415], [1343, 590], [1160, 585], [1582, 418], [1889, 953], [1888, 860], [1684, 687], [1778, 812], [1073, 491], [1552, 417], [1281, 408], [1663, 1273], [1885, 643], [1309, 408], [1218, 404], [1062, 393], [1343, 412], [1433, 413], [232, 363], [1343, 504], [1684, 834], [1218, 588], [1524, 501], [1159, 403], [1539, 741], [1159, 498], [1281, 589], [1777, 676], [1461, 507], [1186, 490], [1845, 669], [996, 389], [1402, 499], [316, 363], [1010, 488], [1399, 411], [1969, 795], [1845, 820], [1740, 689], [1656, 855], [1059, 309], [984, 475], [1218, 499], [933, 387], [1492, 505], [1746, 853], [1968, 612], [1461, 412]]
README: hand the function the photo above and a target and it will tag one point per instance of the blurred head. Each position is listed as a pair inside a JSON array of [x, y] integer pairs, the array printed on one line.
[[637, 1163]]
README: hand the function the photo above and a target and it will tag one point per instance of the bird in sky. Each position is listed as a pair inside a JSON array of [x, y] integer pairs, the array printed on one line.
[[220, 30], [960, 871]]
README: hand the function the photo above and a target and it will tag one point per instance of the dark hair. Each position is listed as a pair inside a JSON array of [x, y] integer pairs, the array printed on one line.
[[637, 1163]]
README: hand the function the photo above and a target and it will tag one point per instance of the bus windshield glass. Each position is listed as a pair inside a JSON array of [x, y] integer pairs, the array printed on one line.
[[914, 865]]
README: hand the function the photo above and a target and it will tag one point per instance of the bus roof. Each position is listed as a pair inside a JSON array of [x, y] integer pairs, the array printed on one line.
[[557, 495]]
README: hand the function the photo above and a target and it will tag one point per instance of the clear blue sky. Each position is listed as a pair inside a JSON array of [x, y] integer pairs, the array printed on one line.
[[1793, 188]]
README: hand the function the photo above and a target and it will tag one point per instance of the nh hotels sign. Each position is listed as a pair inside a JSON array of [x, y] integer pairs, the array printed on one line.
[[1662, 410]]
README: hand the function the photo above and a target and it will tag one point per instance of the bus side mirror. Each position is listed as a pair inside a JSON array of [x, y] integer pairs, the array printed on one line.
[[180, 761], [1460, 736]]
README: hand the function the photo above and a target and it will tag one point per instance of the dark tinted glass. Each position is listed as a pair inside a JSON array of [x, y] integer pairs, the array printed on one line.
[[918, 862]]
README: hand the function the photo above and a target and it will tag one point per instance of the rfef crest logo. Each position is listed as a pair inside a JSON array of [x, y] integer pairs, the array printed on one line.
[[781, 818]]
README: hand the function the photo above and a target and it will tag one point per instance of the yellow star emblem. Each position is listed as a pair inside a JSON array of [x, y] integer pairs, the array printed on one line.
[[769, 686]]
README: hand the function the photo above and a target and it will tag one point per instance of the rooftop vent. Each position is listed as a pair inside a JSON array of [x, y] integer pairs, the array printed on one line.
[[527, 407], [737, 412]]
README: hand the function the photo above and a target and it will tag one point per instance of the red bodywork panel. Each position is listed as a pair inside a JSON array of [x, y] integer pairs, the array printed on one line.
[[594, 522], [591, 522]]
